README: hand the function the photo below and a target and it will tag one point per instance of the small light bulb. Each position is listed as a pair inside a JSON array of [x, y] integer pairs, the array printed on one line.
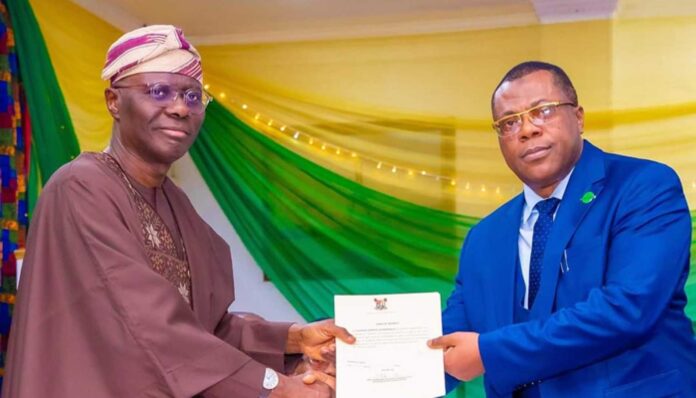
[[354, 155], [338, 151], [323, 147], [270, 122], [296, 135], [223, 95], [379, 165], [207, 86], [311, 141], [282, 128], [394, 169], [244, 106], [410, 172], [257, 116], [483, 188], [453, 182]]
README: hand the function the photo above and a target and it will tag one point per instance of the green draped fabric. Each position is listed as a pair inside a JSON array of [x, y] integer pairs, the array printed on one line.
[[54, 140], [34, 181], [315, 233]]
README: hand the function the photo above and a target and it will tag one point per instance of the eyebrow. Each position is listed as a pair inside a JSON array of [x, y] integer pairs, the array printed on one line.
[[183, 87]]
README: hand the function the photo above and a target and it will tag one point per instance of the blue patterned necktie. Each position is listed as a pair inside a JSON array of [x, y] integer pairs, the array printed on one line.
[[541, 235]]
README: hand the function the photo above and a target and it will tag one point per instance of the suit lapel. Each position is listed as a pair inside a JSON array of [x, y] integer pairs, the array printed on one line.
[[504, 259], [588, 176]]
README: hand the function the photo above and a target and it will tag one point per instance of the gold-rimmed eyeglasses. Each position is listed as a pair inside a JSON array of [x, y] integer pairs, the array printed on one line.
[[509, 125], [163, 94]]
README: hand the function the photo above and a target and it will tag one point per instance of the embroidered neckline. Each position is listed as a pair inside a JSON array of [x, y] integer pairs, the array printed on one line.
[[163, 254]]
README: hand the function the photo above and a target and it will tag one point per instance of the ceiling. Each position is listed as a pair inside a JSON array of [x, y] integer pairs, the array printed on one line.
[[258, 21]]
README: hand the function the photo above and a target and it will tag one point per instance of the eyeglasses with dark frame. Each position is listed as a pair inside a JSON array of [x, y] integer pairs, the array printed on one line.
[[162, 94], [510, 125]]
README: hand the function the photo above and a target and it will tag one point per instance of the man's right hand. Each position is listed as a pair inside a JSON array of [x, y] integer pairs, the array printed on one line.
[[312, 384]]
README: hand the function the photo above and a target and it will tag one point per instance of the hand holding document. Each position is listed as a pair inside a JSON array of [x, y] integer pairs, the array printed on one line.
[[390, 357]]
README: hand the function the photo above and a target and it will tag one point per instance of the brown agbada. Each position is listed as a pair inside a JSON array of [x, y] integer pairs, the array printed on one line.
[[96, 318]]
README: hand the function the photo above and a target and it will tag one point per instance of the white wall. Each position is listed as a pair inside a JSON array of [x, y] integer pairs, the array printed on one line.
[[251, 292]]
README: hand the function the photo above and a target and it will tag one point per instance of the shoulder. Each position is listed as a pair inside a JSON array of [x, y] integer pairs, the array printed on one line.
[[85, 175], [639, 190], [630, 172], [86, 167]]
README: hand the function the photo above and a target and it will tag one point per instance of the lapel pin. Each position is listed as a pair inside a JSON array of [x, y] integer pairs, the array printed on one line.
[[588, 197]]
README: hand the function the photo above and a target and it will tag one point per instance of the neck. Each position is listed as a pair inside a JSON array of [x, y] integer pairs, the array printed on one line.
[[145, 173], [545, 192]]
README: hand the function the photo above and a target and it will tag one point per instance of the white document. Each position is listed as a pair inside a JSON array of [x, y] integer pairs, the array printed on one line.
[[390, 358]]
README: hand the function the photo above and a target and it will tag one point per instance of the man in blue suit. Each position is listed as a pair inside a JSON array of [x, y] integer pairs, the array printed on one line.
[[575, 287]]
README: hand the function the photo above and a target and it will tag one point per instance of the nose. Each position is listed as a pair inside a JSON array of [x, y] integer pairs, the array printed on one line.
[[178, 108], [528, 129]]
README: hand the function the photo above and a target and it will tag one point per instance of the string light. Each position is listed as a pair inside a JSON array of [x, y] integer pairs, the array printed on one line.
[[206, 87], [297, 135]]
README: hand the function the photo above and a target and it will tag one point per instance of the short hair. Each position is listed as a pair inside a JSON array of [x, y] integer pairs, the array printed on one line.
[[560, 78]]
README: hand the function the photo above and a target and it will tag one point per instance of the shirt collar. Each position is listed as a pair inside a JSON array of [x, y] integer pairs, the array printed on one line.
[[531, 198]]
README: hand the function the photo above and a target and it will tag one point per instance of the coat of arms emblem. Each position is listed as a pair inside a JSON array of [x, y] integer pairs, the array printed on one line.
[[380, 304]]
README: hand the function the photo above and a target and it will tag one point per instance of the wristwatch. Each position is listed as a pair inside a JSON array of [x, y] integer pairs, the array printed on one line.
[[270, 381]]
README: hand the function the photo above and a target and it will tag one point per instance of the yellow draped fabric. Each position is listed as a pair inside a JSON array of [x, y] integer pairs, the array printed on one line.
[[77, 42], [410, 116]]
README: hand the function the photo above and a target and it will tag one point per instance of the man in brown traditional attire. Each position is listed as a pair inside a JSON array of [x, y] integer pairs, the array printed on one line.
[[125, 288]]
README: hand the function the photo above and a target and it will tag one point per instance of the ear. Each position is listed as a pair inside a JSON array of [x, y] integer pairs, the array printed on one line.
[[580, 114], [113, 102]]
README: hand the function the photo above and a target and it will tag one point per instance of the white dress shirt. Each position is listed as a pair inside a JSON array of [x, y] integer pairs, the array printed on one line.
[[529, 218]]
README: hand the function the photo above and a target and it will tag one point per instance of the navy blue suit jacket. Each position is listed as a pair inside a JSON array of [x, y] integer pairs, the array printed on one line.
[[613, 324]]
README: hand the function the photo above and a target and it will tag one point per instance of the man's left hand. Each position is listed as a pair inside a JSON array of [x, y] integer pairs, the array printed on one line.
[[317, 340], [462, 356]]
